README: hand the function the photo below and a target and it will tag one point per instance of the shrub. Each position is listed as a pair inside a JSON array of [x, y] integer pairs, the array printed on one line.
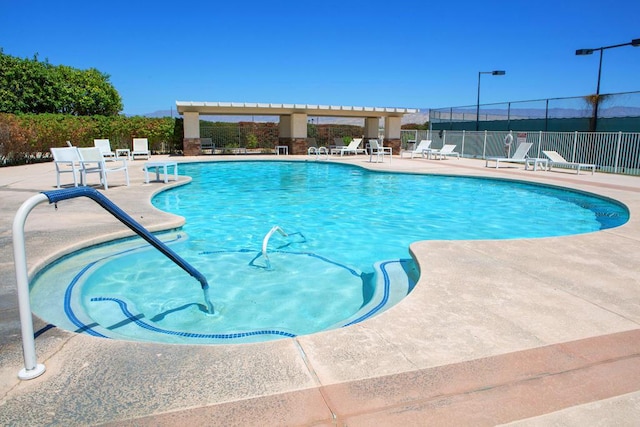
[[26, 138]]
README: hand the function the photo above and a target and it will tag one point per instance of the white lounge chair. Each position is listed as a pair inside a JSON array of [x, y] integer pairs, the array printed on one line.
[[140, 148], [444, 152], [353, 147], [423, 147], [519, 156], [555, 159], [337, 142], [105, 148], [92, 161], [66, 160], [376, 149]]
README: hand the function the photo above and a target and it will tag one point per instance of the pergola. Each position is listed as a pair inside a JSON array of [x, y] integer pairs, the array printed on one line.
[[293, 120]]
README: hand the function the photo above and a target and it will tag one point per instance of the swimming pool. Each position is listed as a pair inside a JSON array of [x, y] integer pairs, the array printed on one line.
[[345, 257]]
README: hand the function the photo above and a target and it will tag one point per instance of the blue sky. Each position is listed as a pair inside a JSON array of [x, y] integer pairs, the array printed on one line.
[[416, 54]]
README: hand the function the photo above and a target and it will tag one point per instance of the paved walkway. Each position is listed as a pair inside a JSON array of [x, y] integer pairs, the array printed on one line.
[[528, 332]]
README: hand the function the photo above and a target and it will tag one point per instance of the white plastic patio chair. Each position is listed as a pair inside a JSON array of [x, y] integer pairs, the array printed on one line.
[[376, 149], [105, 148], [140, 148], [92, 161], [66, 160]]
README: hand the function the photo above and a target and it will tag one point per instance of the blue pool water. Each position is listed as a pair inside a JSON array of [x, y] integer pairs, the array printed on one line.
[[345, 257]]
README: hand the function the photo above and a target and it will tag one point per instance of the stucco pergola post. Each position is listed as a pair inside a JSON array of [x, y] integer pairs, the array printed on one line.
[[371, 126], [191, 141], [392, 131], [293, 132]]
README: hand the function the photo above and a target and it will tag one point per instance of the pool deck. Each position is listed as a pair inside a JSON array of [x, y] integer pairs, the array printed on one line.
[[527, 332]]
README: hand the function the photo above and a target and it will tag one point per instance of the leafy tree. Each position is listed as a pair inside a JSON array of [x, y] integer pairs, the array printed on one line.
[[33, 86], [22, 85]]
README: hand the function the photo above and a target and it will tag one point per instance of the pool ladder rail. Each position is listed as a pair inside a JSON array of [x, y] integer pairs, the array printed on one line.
[[265, 243], [32, 369]]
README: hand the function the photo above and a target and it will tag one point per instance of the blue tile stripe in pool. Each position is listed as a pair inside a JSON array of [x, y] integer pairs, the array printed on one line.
[[385, 296], [67, 304], [259, 254], [321, 258], [133, 318]]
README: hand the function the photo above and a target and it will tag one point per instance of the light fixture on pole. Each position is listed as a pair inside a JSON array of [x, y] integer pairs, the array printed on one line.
[[493, 73], [634, 42]]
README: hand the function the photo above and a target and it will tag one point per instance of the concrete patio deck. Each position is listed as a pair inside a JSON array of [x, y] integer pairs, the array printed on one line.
[[526, 332]]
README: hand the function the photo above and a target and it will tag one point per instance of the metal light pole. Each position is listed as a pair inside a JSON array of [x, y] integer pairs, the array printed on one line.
[[493, 73], [634, 42]]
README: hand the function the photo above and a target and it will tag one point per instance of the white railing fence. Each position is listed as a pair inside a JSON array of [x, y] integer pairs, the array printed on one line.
[[613, 152]]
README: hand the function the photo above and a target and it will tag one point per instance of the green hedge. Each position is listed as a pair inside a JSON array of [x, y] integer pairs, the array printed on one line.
[[26, 138]]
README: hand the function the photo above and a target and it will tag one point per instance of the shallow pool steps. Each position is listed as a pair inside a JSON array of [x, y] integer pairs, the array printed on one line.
[[392, 284]]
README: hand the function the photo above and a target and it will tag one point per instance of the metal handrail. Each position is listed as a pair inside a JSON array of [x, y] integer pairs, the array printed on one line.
[[265, 242], [32, 368]]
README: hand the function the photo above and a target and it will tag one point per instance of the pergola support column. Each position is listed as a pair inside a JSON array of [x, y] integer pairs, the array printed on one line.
[[191, 143], [371, 126], [392, 131], [293, 133]]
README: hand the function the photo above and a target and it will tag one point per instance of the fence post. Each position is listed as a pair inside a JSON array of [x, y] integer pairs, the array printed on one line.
[[615, 163], [462, 153], [546, 115], [575, 143], [484, 143], [539, 144]]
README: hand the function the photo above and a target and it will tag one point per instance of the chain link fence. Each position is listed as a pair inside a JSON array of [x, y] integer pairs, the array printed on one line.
[[262, 137], [616, 112]]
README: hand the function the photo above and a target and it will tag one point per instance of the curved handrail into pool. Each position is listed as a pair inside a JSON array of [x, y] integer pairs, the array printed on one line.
[[32, 369], [265, 242]]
